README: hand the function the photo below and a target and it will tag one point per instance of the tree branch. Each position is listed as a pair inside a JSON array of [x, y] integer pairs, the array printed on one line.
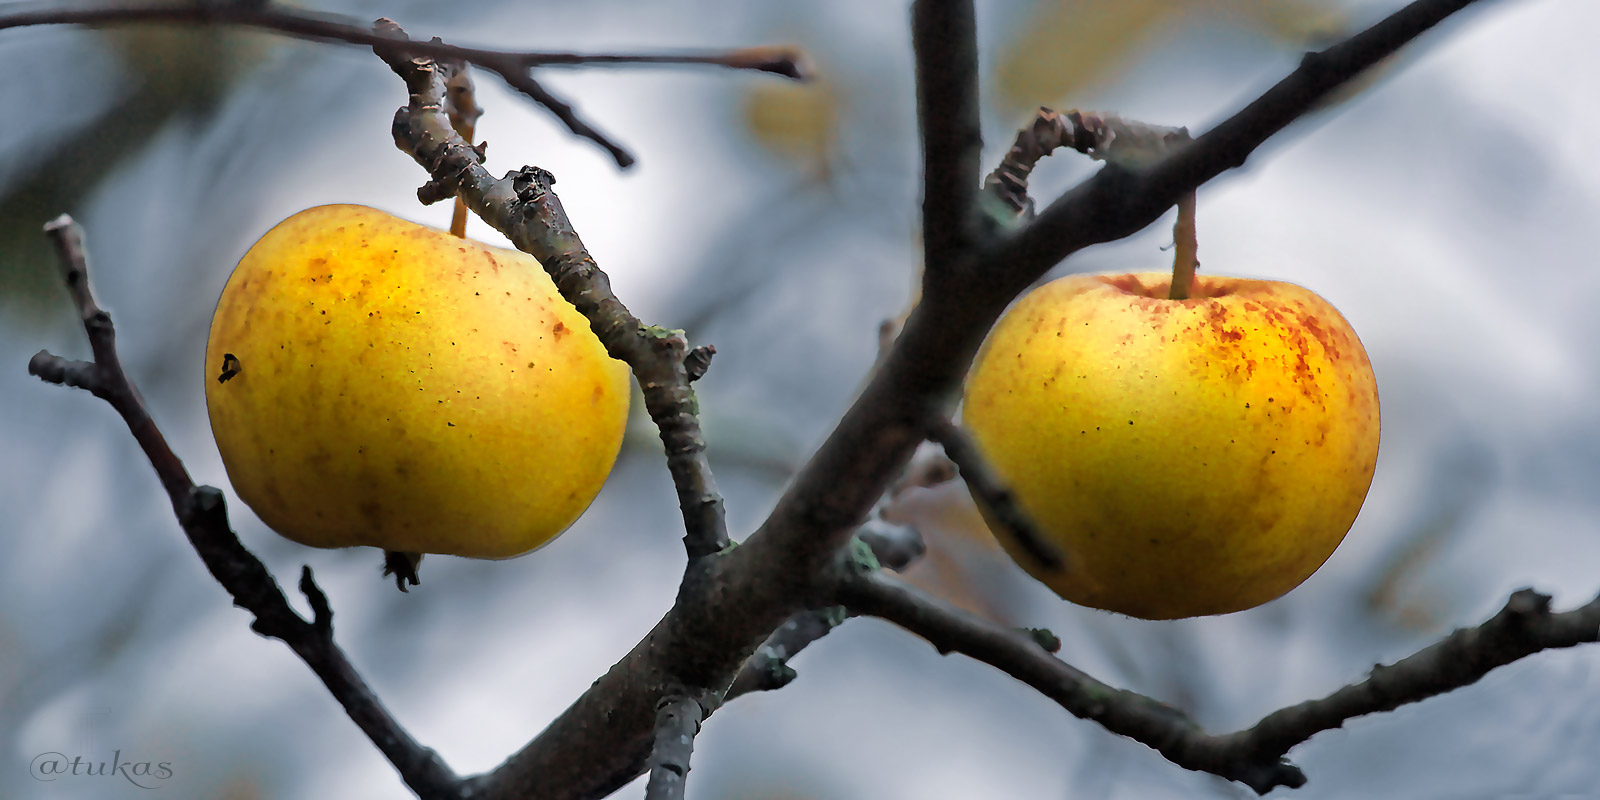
[[677, 723], [923, 371], [1524, 626], [771, 575], [705, 638], [1003, 510], [1015, 652], [201, 512], [768, 668], [1108, 137], [511, 66], [888, 545], [945, 40], [728, 604], [1118, 202], [524, 208], [1254, 757]]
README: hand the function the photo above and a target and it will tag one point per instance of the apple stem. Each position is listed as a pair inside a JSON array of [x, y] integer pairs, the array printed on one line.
[[458, 220], [466, 126], [458, 217], [461, 105], [1186, 246]]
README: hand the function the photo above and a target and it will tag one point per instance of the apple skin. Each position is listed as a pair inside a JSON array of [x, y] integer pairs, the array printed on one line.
[[403, 388], [1188, 457]]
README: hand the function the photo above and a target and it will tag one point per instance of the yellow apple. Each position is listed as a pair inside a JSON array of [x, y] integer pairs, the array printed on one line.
[[371, 381], [1187, 457]]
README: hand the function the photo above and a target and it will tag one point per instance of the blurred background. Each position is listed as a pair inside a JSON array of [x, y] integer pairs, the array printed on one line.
[[1447, 208]]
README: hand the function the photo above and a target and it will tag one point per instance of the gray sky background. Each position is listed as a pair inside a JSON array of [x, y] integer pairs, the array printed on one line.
[[1447, 210]]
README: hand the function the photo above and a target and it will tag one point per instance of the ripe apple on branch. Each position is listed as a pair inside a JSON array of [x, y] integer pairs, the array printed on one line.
[[1107, 440], [383, 383]]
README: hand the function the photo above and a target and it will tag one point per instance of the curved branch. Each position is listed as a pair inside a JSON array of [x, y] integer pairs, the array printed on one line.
[[1004, 512], [1162, 727], [704, 639], [1254, 757], [886, 544], [525, 208], [771, 575], [1108, 137], [1524, 626], [1119, 201], [511, 66], [204, 517]]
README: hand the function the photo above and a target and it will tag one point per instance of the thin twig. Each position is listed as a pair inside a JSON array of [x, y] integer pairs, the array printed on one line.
[[461, 105], [944, 40], [602, 740], [697, 644], [896, 546], [525, 208], [511, 66], [1253, 756], [995, 497], [563, 110], [923, 372], [203, 515], [1108, 137], [1118, 202], [698, 361], [768, 668], [677, 723], [1018, 654], [886, 545]]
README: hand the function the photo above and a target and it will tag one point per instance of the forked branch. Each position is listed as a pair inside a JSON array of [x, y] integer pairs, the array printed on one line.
[[513, 67], [201, 512], [1254, 757], [1118, 201], [525, 208], [733, 598]]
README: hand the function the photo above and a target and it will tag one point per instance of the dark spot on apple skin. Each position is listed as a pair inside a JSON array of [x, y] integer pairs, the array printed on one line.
[[230, 367], [559, 330]]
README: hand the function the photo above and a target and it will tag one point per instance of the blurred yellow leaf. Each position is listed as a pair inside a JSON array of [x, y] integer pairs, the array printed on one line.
[[189, 66], [794, 121], [1297, 23], [1070, 44]]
